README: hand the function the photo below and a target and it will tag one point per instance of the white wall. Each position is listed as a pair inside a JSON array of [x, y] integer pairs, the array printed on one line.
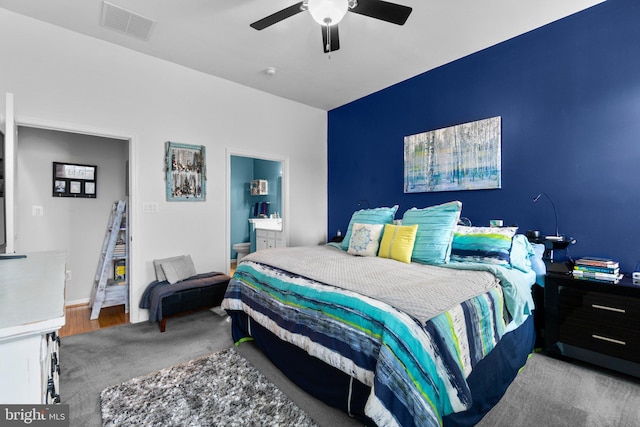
[[75, 225], [66, 78], [2, 196]]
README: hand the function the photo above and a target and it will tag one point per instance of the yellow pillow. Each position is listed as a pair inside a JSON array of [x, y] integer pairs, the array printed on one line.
[[397, 242]]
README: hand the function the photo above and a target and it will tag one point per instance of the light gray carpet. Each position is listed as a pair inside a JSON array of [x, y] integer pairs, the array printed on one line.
[[552, 392], [93, 361], [221, 389], [547, 392]]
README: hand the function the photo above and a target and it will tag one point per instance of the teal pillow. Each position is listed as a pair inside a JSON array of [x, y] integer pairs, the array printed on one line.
[[488, 245], [435, 231], [521, 252], [369, 216]]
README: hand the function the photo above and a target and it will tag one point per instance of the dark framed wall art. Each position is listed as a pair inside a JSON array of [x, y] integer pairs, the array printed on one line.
[[74, 180]]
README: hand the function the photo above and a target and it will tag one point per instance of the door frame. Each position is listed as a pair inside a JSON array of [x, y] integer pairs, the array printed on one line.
[[285, 215], [132, 211], [9, 158]]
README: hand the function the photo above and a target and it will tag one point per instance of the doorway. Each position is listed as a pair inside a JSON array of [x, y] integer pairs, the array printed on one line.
[[243, 168], [74, 225]]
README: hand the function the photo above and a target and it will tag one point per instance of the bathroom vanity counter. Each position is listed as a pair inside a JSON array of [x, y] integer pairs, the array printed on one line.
[[266, 223]]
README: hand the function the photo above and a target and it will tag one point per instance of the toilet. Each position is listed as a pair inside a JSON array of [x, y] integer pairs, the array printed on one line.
[[242, 249]]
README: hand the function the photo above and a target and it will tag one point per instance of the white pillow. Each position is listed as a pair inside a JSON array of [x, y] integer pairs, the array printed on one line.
[[365, 239], [179, 269], [157, 266]]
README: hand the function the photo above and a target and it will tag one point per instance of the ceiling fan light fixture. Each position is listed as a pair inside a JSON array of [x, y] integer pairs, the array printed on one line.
[[328, 12]]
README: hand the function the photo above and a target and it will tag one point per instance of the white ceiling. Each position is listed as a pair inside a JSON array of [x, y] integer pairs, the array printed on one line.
[[214, 37]]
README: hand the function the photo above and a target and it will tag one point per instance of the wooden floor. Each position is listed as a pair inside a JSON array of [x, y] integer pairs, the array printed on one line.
[[78, 319]]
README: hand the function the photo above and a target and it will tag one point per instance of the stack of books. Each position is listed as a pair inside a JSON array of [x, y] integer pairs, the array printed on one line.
[[120, 272], [119, 250], [602, 269]]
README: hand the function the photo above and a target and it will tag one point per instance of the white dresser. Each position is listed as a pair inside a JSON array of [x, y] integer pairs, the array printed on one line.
[[31, 312]]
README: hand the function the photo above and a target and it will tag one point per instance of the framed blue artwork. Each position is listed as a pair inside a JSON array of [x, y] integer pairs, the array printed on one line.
[[186, 172], [461, 157]]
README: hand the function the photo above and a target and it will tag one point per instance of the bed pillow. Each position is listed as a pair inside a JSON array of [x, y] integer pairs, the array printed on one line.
[[179, 269], [435, 231], [365, 239], [488, 245], [397, 242], [537, 263], [157, 266], [369, 216], [520, 252]]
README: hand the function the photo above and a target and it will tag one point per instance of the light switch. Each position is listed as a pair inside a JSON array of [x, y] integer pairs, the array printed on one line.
[[37, 210], [150, 207]]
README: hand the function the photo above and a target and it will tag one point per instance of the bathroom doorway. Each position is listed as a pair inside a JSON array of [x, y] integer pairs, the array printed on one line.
[[243, 168]]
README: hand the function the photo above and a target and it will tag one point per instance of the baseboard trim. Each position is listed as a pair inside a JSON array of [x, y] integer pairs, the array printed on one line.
[[77, 302]]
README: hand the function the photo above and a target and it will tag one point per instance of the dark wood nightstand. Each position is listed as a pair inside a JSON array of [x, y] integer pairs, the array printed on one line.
[[594, 321]]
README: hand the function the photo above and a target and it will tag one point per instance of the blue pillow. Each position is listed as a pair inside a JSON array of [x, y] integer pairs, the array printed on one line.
[[369, 216], [488, 245], [537, 264], [435, 231], [521, 250]]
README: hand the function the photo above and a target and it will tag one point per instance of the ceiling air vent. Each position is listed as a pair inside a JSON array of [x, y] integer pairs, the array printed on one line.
[[125, 21]]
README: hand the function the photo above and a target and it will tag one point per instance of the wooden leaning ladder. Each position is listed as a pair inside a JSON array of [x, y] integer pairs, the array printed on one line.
[[107, 292]]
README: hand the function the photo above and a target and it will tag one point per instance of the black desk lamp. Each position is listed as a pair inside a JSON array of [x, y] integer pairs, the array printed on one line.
[[556, 242], [555, 213]]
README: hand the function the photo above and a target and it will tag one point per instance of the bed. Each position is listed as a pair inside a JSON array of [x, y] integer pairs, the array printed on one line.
[[390, 341]]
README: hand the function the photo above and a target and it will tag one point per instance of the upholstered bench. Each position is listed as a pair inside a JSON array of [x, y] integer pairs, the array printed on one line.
[[187, 301], [182, 293]]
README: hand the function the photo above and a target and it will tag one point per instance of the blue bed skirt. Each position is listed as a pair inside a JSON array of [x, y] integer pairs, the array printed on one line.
[[488, 380]]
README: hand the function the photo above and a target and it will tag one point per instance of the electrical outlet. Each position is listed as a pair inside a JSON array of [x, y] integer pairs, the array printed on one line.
[[67, 274], [37, 210]]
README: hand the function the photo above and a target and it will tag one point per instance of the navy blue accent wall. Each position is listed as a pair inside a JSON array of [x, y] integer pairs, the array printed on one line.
[[569, 97]]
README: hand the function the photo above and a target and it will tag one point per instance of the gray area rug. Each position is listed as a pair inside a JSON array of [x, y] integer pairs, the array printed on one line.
[[220, 389]]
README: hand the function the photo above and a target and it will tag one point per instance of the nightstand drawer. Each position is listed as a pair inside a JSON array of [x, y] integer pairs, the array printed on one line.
[[593, 321], [599, 306], [623, 343], [600, 322]]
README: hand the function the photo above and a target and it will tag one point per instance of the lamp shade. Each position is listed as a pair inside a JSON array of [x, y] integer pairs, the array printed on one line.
[[328, 12]]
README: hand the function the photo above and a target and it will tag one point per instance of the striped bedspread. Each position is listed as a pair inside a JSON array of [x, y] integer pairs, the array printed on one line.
[[415, 360]]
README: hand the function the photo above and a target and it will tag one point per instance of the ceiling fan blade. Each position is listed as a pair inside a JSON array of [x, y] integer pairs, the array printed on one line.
[[385, 11], [333, 34], [277, 17]]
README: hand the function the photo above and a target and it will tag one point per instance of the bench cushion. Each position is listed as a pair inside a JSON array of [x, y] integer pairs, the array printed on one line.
[[156, 291]]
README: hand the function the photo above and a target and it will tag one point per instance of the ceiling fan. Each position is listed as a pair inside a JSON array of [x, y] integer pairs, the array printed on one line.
[[328, 14]]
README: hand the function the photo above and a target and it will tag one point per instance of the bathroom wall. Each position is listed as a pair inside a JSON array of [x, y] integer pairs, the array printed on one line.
[[243, 170], [239, 200], [272, 172]]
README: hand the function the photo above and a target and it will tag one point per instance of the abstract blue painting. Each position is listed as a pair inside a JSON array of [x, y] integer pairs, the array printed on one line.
[[461, 157]]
